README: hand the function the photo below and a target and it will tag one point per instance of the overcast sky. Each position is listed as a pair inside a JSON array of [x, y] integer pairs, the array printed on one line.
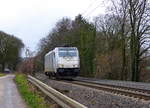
[[30, 20]]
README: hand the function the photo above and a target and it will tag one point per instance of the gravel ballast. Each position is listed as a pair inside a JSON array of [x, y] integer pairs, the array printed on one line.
[[93, 98], [138, 85]]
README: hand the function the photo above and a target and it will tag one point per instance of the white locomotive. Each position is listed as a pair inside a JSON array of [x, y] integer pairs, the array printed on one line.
[[62, 62]]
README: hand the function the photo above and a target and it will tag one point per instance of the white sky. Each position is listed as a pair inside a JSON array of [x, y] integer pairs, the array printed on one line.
[[30, 20]]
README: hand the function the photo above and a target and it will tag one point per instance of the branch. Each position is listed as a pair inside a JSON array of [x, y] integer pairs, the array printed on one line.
[[143, 31], [142, 52], [141, 59]]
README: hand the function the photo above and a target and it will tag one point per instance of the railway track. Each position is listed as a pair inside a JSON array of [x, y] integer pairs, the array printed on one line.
[[58, 97], [121, 90]]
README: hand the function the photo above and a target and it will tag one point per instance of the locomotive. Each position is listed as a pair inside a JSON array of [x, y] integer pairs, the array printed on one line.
[[62, 62]]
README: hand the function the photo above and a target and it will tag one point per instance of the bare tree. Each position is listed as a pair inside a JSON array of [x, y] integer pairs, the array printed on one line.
[[139, 14], [120, 9]]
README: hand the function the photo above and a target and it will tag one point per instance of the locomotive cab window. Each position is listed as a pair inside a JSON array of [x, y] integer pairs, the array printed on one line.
[[68, 52]]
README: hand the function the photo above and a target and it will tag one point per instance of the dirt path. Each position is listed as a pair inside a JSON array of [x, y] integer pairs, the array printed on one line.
[[9, 95]]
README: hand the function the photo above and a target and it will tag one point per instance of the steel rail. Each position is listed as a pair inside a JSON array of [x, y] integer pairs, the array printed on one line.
[[114, 89], [116, 86], [58, 97]]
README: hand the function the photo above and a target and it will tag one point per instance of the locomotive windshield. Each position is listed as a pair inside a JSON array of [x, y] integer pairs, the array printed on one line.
[[67, 52]]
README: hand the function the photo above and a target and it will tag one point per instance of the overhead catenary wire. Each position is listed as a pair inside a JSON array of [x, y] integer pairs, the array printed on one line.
[[100, 4], [89, 7], [92, 10]]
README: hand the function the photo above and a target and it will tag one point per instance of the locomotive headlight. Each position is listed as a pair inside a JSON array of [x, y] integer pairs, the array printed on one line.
[[75, 65], [61, 65]]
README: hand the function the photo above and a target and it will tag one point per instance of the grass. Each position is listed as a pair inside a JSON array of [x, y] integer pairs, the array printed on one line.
[[2, 74], [31, 96]]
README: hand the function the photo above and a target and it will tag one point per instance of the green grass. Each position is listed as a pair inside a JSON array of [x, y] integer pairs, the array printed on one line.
[[31, 97], [2, 74]]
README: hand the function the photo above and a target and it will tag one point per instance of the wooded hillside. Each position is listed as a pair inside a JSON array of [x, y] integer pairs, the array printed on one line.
[[112, 46]]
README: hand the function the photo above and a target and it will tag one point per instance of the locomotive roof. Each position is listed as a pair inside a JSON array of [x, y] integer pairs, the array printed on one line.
[[66, 47], [61, 48]]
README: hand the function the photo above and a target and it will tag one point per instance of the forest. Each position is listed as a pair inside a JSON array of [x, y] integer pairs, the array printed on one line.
[[10, 51], [112, 46]]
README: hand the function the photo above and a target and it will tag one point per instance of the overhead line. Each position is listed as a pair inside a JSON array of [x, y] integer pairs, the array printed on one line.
[[89, 7], [92, 10]]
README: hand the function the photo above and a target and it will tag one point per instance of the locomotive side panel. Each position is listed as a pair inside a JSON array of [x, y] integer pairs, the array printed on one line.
[[49, 62]]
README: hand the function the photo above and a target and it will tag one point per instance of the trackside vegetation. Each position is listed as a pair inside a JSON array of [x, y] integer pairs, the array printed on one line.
[[2, 74], [31, 97]]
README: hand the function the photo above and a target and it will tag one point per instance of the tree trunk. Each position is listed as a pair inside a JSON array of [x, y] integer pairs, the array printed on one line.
[[3, 66], [123, 70], [132, 52]]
